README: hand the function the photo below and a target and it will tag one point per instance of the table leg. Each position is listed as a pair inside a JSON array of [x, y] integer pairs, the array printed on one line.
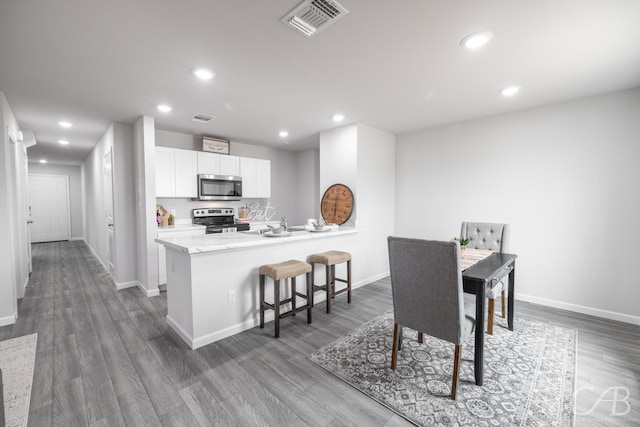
[[512, 279], [478, 362]]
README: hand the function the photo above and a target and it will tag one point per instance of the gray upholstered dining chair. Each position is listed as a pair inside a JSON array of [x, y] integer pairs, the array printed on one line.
[[495, 237], [426, 284]]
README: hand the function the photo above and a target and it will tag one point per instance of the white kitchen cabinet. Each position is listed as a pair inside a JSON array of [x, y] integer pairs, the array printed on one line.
[[208, 163], [176, 172], [248, 174], [229, 165], [263, 178], [256, 177], [186, 171], [165, 172]]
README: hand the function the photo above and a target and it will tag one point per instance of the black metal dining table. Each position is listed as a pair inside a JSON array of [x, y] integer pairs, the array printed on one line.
[[476, 280]]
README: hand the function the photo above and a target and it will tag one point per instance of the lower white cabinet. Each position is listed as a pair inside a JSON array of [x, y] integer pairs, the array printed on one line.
[[256, 177], [162, 251]]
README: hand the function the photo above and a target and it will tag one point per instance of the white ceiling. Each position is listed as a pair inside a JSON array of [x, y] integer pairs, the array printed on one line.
[[396, 66]]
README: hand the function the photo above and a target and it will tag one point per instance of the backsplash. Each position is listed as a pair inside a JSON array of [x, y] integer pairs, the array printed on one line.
[[259, 209]]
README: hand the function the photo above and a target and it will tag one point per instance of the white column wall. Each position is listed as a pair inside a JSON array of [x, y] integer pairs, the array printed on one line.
[[363, 158], [565, 177], [147, 230], [8, 254]]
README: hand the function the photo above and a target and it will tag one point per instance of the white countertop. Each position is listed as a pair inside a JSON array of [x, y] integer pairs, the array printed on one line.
[[223, 241]]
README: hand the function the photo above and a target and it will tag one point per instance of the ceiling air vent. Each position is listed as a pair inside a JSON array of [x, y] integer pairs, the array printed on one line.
[[202, 118], [312, 16]]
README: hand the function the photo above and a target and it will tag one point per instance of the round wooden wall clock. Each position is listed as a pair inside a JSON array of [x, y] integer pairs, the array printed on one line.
[[337, 204]]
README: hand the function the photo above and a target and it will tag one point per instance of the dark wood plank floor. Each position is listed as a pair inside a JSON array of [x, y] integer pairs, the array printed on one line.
[[108, 358]]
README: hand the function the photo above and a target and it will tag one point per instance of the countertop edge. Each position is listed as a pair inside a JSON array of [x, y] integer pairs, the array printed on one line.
[[199, 244]]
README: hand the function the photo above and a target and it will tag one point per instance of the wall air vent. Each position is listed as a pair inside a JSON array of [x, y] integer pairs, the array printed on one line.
[[202, 118], [312, 16]]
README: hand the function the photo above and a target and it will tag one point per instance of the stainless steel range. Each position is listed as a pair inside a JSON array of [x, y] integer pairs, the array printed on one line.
[[218, 220]]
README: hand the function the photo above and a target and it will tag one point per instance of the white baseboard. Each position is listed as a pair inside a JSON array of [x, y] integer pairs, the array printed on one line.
[[8, 320], [126, 285], [139, 285], [77, 238], [597, 312], [148, 292]]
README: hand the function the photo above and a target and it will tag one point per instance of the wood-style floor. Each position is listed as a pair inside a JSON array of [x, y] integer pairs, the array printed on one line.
[[108, 358]]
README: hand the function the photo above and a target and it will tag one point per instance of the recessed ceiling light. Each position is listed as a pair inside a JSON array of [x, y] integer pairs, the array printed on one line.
[[43, 160], [510, 91], [63, 142], [65, 124], [283, 134], [338, 117], [203, 73], [476, 40], [164, 108]]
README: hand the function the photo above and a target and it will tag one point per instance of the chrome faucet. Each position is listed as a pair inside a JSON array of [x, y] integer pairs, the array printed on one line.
[[283, 223]]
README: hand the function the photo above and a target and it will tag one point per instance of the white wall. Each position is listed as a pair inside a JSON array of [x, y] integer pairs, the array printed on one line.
[[75, 191], [119, 138], [307, 185], [565, 177], [92, 178], [376, 192], [363, 158], [9, 264]]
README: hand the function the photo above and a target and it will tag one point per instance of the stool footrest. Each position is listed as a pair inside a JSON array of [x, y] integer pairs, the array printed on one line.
[[293, 312]]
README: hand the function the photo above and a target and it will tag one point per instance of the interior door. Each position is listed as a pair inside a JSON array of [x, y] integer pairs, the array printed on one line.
[[108, 206], [49, 201]]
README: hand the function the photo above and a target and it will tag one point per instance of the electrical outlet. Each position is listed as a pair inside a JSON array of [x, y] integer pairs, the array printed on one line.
[[232, 297]]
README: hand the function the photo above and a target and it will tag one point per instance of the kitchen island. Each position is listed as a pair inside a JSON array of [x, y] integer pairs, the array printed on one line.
[[212, 280]]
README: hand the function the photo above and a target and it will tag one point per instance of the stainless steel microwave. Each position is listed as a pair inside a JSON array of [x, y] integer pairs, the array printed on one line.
[[219, 187]]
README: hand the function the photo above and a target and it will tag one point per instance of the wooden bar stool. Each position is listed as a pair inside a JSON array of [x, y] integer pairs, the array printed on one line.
[[284, 270], [330, 259]]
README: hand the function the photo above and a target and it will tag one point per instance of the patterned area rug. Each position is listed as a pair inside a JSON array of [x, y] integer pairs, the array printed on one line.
[[17, 358], [529, 374]]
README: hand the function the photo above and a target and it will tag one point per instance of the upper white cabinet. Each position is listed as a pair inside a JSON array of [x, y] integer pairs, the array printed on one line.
[[229, 165], [165, 172], [208, 163], [263, 177], [256, 177], [176, 172]]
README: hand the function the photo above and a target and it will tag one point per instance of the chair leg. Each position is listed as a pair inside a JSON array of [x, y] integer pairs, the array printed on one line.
[[420, 337], [276, 306], [492, 304], [394, 347], [293, 296], [349, 282], [309, 295], [503, 304], [261, 301], [327, 272], [313, 278], [456, 371]]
